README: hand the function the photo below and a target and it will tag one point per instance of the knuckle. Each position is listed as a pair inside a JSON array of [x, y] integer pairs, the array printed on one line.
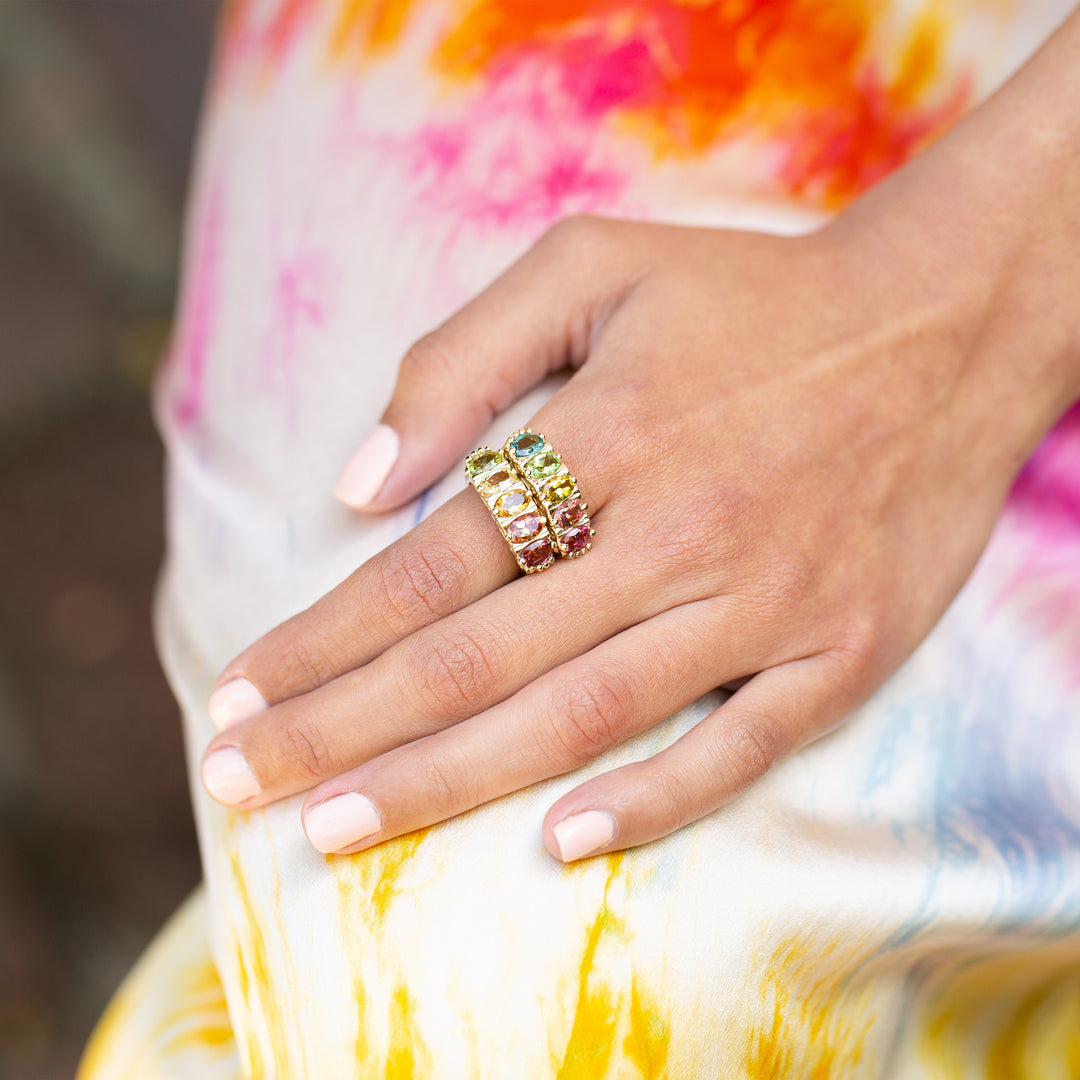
[[428, 359], [747, 750], [679, 547], [595, 714], [669, 799], [413, 588], [576, 233], [307, 748], [309, 662], [446, 792], [858, 655], [789, 582], [455, 675], [861, 639]]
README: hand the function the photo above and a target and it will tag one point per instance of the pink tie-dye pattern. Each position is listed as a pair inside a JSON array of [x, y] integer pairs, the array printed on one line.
[[300, 301], [1041, 533], [260, 38], [198, 307], [518, 157]]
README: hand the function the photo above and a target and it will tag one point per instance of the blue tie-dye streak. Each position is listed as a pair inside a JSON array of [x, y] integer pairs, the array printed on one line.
[[421, 507], [991, 764]]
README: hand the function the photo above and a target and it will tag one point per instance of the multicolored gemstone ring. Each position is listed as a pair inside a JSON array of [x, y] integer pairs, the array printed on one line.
[[520, 520], [533, 499], [549, 480]]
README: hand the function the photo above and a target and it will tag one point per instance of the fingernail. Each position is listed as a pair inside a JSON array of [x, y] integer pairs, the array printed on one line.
[[366, 472], [341, 821], [228, 777], [581, 834], [236, 700]]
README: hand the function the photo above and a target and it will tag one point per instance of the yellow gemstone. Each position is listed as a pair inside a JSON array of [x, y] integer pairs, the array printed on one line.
[[499, 480], [562, 487], [512, 503]]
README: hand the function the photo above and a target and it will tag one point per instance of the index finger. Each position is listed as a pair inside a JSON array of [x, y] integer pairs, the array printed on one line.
[[448, 561]]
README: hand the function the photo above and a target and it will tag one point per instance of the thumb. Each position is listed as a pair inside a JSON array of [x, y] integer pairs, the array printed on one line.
[[539, 315]]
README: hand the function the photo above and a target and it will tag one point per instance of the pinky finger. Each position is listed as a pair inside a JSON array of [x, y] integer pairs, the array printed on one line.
[[770, 717]]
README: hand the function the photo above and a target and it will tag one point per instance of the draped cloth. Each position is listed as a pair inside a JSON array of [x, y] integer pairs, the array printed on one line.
[[901, 899]]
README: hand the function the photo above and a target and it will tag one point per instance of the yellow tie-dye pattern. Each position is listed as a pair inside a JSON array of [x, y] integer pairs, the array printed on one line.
[[170, 1017], [593, 1032], [408, 1057], [605, 1007], [1012, 1016], [368, 28], [646, 1045], [814, 1023], [923, 58], [374, 874]]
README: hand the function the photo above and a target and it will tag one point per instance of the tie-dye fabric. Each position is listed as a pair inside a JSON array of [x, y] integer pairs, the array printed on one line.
[[899, 900]]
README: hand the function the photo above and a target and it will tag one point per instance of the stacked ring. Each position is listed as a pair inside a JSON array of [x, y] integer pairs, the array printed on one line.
[[549, 481], [513, 505]]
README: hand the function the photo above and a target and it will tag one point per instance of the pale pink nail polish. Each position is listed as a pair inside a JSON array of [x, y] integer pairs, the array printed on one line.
[[366, 471], [341, 821], [236, 700], [581, 834], [228, 777]]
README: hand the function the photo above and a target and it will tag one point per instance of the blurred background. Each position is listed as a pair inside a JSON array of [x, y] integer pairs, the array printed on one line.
[[98, 106]]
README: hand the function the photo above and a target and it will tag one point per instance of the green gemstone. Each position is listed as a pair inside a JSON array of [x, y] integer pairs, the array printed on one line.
[[543, 465], [480, 460]]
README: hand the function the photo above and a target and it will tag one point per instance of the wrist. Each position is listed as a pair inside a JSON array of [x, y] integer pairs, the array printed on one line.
[[984, 228]]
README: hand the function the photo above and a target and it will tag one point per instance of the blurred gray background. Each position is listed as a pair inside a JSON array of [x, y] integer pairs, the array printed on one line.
[[98, 106]]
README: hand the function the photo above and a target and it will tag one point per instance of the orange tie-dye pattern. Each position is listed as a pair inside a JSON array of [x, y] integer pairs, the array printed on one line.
[[685, 77], [813, 80]]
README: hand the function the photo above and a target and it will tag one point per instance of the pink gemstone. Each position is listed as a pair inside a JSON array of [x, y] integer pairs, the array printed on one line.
[[537, 553], [576, 539], [568, 513], [525, 527]]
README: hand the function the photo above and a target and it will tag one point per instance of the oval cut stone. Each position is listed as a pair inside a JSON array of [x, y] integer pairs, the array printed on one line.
[[525, 527], [481, 460], [543, 465], [562, 487], [525, 444], [577, 539], [513, 502], [568, 513], [537, 553], [500, 480]]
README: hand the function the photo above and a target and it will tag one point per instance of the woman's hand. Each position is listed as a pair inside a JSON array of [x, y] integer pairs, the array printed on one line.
[[794, 451]]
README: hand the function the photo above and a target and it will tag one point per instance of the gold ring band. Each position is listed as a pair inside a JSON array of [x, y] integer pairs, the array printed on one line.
[[554, 489], [514, 506]]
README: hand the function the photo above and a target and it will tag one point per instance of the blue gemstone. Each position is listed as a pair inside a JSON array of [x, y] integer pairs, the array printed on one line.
[[526, 444]]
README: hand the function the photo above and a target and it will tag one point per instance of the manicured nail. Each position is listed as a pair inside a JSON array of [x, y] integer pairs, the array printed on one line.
[[341, 821], [236, 700], [581, 834], [366, 472], [228, 777]]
